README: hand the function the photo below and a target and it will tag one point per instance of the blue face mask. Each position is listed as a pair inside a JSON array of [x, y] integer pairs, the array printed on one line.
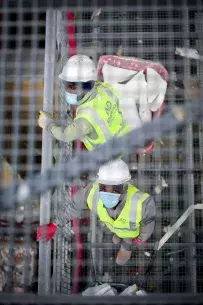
[[71, 98], [110, 200]]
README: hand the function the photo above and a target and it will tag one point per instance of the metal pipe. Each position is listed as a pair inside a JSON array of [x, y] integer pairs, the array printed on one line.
[[93, 219], [173, 181], [45, 199], [189, 181], [199, 29]]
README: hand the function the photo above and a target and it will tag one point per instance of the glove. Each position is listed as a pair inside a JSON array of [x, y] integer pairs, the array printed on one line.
[[44, 119], [46, 231], [138, 241]]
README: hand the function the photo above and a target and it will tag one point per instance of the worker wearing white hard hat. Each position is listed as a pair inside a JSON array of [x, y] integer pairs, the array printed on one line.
[[127, 212], [98, 116]]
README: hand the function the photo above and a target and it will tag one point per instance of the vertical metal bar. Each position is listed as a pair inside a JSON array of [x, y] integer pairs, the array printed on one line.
[[4, 46], [59, 196], [45, 200], [190, 163], [199, 29], [95, 35], [174, 183], [64, 151], [141, 165], [93, 219], [78, 238], [31, 120], [157, 151]]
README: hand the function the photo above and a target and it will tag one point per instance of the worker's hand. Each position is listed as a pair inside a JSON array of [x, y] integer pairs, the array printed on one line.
[[44, 119], [138, 241], [46, 231]]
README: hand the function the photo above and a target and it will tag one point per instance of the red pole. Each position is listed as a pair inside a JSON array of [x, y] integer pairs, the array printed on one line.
[[72, 46]]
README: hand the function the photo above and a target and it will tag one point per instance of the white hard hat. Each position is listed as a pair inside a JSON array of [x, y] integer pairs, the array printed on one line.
[[79, 68], [114, 173]]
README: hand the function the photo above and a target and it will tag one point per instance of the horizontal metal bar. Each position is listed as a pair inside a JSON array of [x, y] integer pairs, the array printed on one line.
[[40, 52], [111, 9], [142, 21], [30, 37], [168, 35], [199, 206], [26, 23], [155, 298], [149, 245]]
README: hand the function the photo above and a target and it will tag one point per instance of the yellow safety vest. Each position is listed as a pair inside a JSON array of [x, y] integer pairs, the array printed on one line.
[[127, 225], [101, 109]]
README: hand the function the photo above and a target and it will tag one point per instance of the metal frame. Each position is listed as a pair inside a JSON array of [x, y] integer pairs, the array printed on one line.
[[63, 257], [189, 177]]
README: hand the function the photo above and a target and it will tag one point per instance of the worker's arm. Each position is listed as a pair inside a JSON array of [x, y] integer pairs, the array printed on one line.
[[71, 210], [75, 207], [148, 219], [77, 130]]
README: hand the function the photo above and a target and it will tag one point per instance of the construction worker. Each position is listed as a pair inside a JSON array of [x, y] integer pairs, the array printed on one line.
[[126, 211], [98, 116]]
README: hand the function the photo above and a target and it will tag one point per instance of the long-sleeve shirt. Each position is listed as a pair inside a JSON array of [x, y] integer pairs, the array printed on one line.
[[79, 203], [76, 131]]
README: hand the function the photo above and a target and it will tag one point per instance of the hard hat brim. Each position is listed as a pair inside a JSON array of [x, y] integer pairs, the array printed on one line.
[[111, 182], [93, 78]]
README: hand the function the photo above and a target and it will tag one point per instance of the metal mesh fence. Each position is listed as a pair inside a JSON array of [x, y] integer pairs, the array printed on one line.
[[34, 48]]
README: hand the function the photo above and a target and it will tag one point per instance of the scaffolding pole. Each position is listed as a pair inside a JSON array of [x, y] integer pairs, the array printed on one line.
[[174, 182], [45, 200], [199, 28], [157, 153], [190, 163], [93, 219]]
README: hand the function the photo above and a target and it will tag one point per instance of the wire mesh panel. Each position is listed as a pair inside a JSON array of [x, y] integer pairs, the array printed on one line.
[[167, 165], [22, 57], [154, 34]]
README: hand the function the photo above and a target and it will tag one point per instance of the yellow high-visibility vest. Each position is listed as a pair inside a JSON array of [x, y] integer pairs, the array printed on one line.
[[127, 225], [104, 114]]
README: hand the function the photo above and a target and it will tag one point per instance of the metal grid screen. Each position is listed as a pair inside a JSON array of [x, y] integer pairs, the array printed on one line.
[[34, 47]]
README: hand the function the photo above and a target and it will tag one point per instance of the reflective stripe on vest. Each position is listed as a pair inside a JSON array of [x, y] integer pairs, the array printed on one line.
[[127, 224], [136, 209], [98, 117]]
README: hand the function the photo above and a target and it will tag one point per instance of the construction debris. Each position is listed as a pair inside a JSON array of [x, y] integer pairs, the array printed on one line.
[[106, 289], [131, 290], [146, 253], [189, 53], [96, 13], [160, 186], [100, 290]]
